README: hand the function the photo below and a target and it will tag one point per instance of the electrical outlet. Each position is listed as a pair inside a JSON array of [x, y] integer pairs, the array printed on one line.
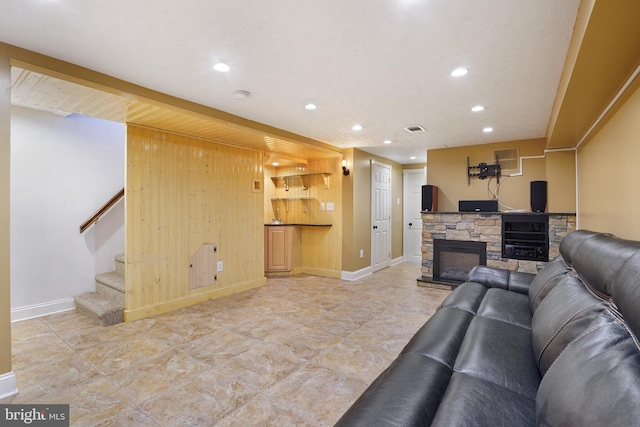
[[220, 265], [329, 206], [361, 253], [321, 206]]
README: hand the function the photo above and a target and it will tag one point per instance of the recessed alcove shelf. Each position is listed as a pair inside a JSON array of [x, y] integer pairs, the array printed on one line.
[[303, 178]]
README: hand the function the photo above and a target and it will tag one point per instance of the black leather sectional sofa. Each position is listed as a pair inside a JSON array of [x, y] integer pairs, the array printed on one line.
[[559, 348]]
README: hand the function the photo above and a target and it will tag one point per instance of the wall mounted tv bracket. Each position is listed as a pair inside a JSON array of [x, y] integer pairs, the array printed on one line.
[[482, 171]]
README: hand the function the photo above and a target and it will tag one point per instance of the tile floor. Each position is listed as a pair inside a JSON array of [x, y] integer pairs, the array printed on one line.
[[296, 352]]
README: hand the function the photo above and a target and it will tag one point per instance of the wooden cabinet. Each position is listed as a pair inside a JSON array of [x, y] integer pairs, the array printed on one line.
[[282, 248]]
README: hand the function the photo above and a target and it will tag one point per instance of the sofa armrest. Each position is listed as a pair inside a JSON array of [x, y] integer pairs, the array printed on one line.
[[520, 282], [493, 277]]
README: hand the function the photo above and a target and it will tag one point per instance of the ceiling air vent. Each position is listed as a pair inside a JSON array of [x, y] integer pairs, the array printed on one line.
[[414, 129]]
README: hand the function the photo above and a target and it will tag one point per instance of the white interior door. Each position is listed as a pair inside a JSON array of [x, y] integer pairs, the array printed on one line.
[[413, 180], [380, 215]]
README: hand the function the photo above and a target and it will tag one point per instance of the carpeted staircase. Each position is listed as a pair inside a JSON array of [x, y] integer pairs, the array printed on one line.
[[106, 304]]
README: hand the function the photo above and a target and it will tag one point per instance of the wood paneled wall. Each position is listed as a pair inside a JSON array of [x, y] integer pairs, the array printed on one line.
[[181, 193], [321, 246]]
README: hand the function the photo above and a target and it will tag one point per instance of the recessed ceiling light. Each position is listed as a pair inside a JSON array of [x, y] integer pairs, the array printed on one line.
[[387, 141], [412, 157], [311, 106], [275, 164], [357, 128], [459, 72], [222, 67], [477, 108], [487, 130]]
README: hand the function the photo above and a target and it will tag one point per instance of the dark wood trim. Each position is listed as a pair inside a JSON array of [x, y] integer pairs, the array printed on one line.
[[96, 216]]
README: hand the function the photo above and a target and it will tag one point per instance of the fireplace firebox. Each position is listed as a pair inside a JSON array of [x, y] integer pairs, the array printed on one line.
[[453, 259]]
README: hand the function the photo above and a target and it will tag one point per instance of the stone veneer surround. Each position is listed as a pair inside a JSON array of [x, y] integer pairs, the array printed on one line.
[[486, 227]]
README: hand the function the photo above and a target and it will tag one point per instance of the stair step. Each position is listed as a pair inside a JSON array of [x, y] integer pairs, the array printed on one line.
[[101, 308], [111, 285], [112, 280], [119, 261]]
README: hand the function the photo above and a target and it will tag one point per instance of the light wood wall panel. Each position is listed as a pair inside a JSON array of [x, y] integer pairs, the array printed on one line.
[[321, 246], [181, 193]]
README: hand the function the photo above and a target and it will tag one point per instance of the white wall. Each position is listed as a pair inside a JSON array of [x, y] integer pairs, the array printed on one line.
[[62, 170]]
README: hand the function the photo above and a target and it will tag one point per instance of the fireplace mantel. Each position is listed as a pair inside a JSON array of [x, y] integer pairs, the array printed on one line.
[[486, 227]]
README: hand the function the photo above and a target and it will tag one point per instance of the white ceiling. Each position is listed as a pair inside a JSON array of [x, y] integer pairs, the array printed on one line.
[[383, 64]]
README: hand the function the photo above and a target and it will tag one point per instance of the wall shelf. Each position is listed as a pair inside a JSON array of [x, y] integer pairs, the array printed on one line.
[[303, 178], [288, 199], [291, 198]]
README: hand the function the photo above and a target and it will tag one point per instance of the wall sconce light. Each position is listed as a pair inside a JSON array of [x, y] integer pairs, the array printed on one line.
[[345, 171]]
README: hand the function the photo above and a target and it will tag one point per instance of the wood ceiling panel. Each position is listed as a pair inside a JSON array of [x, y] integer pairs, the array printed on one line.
[[36, 89]]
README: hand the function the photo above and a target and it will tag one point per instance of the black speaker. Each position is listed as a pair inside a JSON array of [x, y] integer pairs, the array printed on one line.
[[429, 198], [538, 196], [478, 205]]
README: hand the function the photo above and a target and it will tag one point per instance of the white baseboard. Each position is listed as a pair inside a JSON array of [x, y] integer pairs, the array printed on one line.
[[8, 385], [44, 309], [397, 261], [355, 275]]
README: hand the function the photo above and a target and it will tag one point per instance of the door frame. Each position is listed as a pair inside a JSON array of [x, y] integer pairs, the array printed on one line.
[[388, 242], [406, 210]]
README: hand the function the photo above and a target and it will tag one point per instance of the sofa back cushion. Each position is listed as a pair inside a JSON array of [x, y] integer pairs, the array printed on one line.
[[599, 258], [594, 382], [571, 242], [585, 336], [626, 293], [546, 280], [568, 310]]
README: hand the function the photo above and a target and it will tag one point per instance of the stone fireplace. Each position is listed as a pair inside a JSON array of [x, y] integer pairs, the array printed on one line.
[[485, 227]]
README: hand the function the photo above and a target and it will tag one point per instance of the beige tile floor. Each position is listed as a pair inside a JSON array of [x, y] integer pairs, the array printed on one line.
[[296, 352]]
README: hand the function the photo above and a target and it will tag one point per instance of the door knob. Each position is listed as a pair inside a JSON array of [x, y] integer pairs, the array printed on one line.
[[410, 224], [375, 227]]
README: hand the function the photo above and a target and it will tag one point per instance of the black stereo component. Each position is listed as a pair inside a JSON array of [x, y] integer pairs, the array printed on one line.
[[525, 236], [525, 252], [478, 206]]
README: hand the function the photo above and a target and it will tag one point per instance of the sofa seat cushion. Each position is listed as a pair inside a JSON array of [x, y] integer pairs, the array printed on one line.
[[501, 353], [412, 382], [441, 337], [467, 398], [467, 338], [467, 296], [496, 303], [499, 278], [509, 307]]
